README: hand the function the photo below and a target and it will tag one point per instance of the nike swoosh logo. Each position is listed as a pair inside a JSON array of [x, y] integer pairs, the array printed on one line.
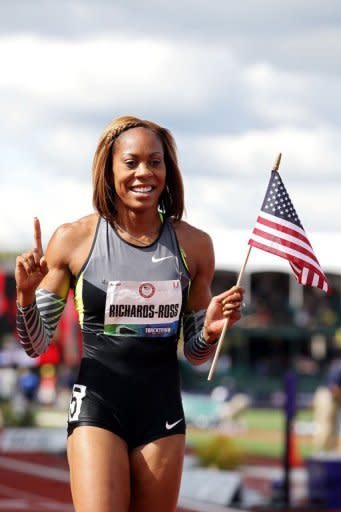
[[157, 260], [169, 426]]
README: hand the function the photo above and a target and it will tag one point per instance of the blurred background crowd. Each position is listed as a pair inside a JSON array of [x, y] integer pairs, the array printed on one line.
[[279, 330]]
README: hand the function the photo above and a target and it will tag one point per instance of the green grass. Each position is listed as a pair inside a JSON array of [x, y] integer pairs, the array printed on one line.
[[269, 424], [271, 419], [264, 419], [263, 448]]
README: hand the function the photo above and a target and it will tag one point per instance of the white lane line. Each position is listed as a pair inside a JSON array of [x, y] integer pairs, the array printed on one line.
[[273, 473], [37, 506], [204, 507], [33, 500], [30, 468], [8, 505], [41, 503]]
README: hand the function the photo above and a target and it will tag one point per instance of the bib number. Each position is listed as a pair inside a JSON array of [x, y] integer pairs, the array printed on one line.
[[78, 394], [143, 309]]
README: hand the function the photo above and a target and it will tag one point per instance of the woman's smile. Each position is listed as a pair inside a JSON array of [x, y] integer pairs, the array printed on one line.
[[145, 189]]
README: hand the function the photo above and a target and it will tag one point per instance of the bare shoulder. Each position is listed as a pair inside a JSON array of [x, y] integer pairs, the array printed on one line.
[[73, 233], [72, 238], [196, 243], [189, 235]]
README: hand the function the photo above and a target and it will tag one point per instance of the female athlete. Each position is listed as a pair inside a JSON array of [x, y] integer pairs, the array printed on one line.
[[139, 274]]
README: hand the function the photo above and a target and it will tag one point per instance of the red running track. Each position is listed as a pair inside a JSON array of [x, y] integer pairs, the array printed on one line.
[[37, 482], [34, 482]]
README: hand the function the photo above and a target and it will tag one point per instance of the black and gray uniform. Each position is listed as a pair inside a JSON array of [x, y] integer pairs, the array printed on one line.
[[130, 302]]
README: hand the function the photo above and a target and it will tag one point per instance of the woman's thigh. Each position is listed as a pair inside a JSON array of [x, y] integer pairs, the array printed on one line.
[[156, 474], [99, 470]]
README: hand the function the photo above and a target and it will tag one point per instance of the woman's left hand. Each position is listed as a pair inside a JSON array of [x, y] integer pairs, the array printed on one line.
[[226, 305]]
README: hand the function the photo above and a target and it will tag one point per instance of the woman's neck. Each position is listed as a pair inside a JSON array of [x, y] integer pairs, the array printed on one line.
[[141, 228]]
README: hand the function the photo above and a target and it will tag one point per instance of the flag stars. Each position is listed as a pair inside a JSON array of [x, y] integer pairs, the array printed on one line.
[[277, 201]]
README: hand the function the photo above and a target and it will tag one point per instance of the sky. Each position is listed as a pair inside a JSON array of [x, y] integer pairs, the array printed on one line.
[[235, 82]]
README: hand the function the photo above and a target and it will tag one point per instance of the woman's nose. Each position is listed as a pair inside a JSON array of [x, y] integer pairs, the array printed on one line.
[[143, 170]]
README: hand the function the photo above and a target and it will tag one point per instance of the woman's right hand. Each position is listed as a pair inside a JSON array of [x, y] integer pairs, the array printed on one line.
[[30, 269]]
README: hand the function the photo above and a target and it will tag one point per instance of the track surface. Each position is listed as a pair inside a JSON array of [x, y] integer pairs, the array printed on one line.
[[40, 483]]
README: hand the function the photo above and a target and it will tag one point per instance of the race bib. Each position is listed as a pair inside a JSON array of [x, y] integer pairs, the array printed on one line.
[[144, 309]]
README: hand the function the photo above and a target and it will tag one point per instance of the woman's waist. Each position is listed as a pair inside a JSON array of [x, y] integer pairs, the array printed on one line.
[[131, 355], [115, 380]]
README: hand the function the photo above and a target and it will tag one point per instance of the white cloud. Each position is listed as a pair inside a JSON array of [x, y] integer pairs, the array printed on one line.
[[313, 154], [230, 102], [105, 71], [54, 202]]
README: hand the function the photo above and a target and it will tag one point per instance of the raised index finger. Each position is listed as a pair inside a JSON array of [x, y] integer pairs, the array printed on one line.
[[37, 235]]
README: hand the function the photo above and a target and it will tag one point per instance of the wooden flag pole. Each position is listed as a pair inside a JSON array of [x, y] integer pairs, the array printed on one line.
[[277, 162], [240, 277], [226, 322]]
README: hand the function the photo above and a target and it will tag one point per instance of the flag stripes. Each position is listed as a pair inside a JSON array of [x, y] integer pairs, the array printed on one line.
[[279, 231], [292, 232]]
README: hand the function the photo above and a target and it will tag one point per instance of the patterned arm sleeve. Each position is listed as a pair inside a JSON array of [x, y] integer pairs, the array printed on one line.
[[196, 349], [36, 323]]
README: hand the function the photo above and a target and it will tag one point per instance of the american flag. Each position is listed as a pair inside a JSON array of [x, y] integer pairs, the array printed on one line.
[[278, 230]]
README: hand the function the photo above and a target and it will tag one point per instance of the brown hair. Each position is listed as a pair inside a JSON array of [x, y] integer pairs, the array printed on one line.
[[172, 198]]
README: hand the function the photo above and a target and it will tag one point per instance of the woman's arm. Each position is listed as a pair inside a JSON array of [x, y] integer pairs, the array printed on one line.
[[42, 287], [205, 315]]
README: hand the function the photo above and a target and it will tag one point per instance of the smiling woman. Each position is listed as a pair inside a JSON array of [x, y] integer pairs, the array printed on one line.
[[139, 273], [117, 151]]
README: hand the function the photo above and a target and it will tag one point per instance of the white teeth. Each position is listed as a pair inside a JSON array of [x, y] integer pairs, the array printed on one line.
[[142, 189]]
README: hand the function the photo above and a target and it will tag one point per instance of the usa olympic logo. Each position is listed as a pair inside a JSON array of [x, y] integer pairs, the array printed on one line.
[[146, 290]]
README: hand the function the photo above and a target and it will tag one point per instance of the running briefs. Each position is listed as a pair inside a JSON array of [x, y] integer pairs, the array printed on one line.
[[139, 409]]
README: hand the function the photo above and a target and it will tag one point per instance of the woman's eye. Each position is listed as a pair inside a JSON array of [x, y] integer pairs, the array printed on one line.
[[130, 163], [155, 163]]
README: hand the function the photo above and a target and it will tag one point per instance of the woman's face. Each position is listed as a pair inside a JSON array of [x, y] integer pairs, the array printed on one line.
[[139, 169]]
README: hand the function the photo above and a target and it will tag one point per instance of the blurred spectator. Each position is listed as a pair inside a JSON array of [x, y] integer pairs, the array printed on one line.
[[257, 315], [302, 317], [11, 355], [326, 404], [28, 382], [47, 392], [8, 382]]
